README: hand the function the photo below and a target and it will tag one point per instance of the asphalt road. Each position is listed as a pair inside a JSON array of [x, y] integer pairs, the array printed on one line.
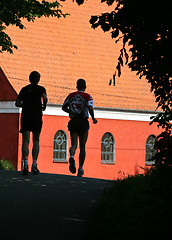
[[48, 206]]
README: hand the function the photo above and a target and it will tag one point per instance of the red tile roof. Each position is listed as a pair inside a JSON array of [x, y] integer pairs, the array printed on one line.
[[66, 49]]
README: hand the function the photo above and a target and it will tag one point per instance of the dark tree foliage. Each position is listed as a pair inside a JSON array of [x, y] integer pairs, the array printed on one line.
[[13, 11], [146, 27]]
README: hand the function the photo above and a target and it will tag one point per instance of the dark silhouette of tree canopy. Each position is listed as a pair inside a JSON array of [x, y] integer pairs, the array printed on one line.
[[145, 28], [13, 11]]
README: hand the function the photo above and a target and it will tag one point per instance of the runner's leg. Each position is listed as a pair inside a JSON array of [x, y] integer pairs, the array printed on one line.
[[72, 150], [35, 152], [82, 141], [74, 142], [35, 149], [25, 144]]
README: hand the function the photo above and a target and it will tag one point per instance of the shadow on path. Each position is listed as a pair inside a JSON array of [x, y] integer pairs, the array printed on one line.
[[48, 206]]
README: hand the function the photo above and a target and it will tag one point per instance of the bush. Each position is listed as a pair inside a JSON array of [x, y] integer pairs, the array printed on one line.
[[6, 165], [136, 208]]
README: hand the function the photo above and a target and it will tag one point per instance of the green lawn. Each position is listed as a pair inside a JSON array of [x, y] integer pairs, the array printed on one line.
[[136, 208]]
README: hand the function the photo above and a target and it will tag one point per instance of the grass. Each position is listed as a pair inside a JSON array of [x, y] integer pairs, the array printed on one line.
[[138, 207], [6, 165]]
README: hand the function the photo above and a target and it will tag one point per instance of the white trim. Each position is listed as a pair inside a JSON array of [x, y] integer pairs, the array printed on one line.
[[9, 107], [123, 115], [103, 113], [55, 110]]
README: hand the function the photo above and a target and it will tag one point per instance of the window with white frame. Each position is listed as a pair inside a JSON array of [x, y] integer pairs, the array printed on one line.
[[107, 149], [150, 149], [60, 153]]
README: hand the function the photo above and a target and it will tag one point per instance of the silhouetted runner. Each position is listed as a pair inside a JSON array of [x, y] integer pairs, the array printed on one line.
[[33, 100], [78, 104]]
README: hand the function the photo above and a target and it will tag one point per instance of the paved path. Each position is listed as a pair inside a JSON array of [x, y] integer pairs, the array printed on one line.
[[48, 206]]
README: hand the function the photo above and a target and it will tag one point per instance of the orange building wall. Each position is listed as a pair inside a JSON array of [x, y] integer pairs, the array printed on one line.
[[130, 147], [9, 137]]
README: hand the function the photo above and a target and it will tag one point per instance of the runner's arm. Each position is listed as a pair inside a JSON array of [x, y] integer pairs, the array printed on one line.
[[65, 108], [91, 111], [45, 100], [19, 102]]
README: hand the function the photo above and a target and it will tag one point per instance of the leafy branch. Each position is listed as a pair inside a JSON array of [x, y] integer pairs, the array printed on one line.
[[146, 27], [13, 11]]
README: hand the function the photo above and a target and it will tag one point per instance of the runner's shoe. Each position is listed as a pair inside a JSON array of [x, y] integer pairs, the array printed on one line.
[[35, 169], [72, 167], [80, 172], [25, 170]]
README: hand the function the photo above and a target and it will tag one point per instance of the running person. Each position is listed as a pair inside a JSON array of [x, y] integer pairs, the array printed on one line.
[[32, 99], [78, 104]]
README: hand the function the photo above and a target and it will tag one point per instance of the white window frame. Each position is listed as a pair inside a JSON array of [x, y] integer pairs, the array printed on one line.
[[58, 139], [106, 142]]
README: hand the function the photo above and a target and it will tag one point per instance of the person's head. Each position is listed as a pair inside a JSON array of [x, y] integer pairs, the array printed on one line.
[[34, 77], [81, 84]]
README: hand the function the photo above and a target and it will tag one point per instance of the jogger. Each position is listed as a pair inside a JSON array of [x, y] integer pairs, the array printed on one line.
[[33, 100], [78, 104]]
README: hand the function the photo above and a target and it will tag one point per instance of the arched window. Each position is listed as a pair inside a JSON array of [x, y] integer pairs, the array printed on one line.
[[60, 153], [107, 149], [150, 149]]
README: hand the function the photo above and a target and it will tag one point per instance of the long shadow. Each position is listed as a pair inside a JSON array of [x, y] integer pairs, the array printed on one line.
[[47, 205]]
